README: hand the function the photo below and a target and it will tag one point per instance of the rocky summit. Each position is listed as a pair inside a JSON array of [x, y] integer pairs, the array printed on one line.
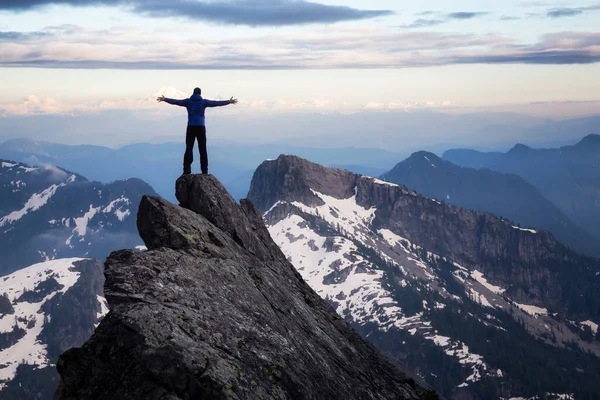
[[214, 310]]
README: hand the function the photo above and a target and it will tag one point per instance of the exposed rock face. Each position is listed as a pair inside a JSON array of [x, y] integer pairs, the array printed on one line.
[[487, 303], [473, 239], [214, 310]]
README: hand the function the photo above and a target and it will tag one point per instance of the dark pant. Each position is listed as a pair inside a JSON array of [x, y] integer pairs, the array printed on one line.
[[193, 133]]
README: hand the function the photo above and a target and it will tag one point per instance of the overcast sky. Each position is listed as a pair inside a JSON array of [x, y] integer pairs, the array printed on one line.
[[282, 55]]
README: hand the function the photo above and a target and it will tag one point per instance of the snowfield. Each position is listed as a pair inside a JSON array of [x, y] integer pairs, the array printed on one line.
[[29, 315], [336, 270]]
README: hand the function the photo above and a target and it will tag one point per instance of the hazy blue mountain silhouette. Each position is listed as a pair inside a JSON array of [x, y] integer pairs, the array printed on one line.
[[502, 194], [568, 176], [160, 164]]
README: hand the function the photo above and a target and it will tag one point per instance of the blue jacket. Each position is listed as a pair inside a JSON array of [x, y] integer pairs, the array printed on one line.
[[195, 107]]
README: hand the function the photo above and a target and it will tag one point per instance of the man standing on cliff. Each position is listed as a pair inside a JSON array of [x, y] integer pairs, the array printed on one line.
[[196, 129]]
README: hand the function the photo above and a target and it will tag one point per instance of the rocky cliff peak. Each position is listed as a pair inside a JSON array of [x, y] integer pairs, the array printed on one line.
[[213, 309], [291, 178]]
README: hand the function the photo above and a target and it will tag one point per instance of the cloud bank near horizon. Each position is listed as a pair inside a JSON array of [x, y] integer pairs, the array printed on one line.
[[77, 47], [228, 12]]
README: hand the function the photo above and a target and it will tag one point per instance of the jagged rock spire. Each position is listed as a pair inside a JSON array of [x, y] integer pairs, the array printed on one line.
[[214, 310]]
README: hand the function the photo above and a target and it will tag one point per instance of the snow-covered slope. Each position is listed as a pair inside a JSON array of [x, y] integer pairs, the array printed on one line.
[[47, 213], [45, 309], [339, 233]]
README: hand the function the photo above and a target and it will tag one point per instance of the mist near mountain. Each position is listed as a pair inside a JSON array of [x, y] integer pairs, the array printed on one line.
[[404, 131], [160, 164]]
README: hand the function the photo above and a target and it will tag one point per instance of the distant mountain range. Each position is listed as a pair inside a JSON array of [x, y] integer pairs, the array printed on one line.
[[568, 176], [505, 195], [160, 164], [48, 213], [475, 305]]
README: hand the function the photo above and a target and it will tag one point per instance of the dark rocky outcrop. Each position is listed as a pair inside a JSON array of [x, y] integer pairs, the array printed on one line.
[[5, 306], [213, 310]]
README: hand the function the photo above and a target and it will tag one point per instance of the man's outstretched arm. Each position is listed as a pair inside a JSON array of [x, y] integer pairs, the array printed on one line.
[[218, 103], [182, 103]]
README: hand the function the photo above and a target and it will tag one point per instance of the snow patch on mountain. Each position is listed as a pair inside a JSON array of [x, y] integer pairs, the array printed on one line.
[[593, 326], [478, 276], [337, 271], [82, 222], [524, 229], [380, 182], [21, 168], [343, 212], [351, 282], [548, 396], [35, 202], [116, 207], [28, 315], [532, 310], [103, 308]]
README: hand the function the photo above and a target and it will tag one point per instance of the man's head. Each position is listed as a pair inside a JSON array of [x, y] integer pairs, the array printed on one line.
[[197, 91]]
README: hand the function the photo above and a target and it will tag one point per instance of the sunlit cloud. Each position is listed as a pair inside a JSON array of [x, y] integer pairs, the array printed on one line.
[[149, 107], [89, 49]]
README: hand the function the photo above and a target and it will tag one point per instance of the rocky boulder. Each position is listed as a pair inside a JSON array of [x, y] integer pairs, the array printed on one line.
[[213, 310]]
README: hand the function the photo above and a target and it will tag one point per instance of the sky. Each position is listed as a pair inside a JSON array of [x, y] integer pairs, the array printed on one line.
[[83, 56]]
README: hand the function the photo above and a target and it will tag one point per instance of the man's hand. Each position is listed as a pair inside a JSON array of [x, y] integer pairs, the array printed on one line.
[[161, 98], [232, 100]]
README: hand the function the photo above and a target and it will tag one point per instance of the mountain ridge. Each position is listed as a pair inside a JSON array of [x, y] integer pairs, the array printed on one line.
[[504, 195], [406, 271], [48, 212]]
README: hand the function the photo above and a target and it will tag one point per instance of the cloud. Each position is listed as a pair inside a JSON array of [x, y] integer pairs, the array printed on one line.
[[230, 12], [564, 12], [23, 5], [423, 23], [541, 57], [34, 105], [509, 18], [570, 11], [22, 36], [148, 108], [441, 18], [466, 15], [317, 49]]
